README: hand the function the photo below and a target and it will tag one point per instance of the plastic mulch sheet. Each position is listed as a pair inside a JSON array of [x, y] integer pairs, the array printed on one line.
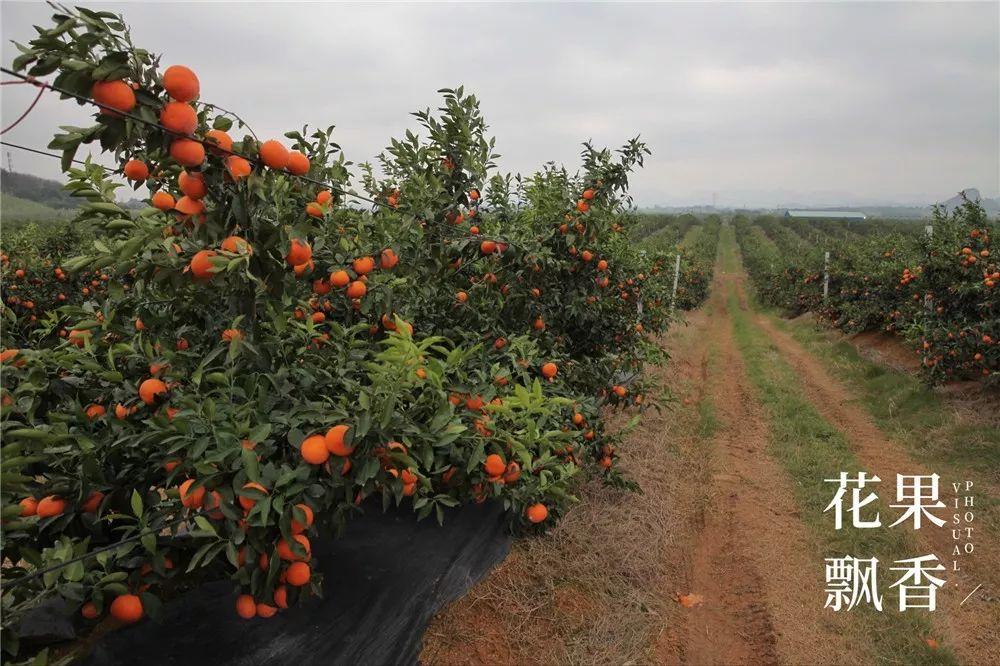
[[383, 581]]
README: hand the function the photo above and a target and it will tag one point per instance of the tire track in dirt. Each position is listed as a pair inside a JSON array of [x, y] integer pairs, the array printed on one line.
[[973, 627], [751, 557]]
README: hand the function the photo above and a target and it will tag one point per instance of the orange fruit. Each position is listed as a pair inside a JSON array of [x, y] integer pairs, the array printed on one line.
[[357, 289], [246, 608], [265, 611], [314, 450], [363, 265], [274, 155], [95, 411], [286, 553], [537, 512], [298, 164], [115, 94], [297, 527], [488, 247], [313, 209], [136, 170], [127, 608], [281, 596], [248, 502], [93, 502], [462, 297], [388, 259], [340, 279], [494, 465], [179, 117], [79, 337], [220, 143], [192, 499], [334, 440], [238, 167], [582, 206], [151, 389], [187, 152], [181, 83], [299, 252], [298, 574], [236, 245], [162, 200], [50, 506], [192, 184], [29, 507], [187, 206], [588, 194], [512, 473], [602, 265], [89, 611], [324, 197], [201, 264], [549, 370]]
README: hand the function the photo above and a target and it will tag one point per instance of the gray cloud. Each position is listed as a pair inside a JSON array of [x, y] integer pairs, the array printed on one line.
[[888, 102]]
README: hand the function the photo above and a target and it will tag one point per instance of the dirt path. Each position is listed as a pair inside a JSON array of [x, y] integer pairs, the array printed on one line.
[[751, 557], [975, 625]]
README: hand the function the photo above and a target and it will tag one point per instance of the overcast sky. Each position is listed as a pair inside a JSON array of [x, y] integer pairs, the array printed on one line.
[[763, 104]]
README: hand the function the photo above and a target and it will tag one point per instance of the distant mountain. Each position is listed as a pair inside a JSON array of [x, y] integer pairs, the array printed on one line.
[[992, 206], [40, 190]]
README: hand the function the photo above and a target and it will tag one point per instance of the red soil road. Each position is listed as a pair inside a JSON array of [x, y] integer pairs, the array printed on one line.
[[974, 627]]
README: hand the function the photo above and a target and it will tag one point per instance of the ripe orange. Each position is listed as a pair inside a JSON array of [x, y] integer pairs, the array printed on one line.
[[202, 267], [281, 596], [179, 117], [93, 502], [151, 389], [187, 206], [462, 297], [314, 450], [29, 507], [357, 289], [588, 194], [192, 184], [582, 206], [512, 473], [248, 502], [238, 167], [286, 553], [95, 411], [488, 247], [89, 611], [265, 611], [79, 337], [181, 83], [236, 245], [115, 94], [298, 164], [602, 265], [127, 608], [297, 527], [136, 170], [494, 465], [298, 574], [313, 209], [324, 197], [549, 370], [187, 152], [218, 138], [191, 499], [162, 200], [299, 252], [539, 324], [335, 443], [274, 155], [50, 506], [246, 608], [363, 265], [537, 512], [340, 279], [230, 334]]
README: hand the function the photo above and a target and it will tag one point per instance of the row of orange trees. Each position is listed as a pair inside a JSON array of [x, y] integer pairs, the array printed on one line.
[[267, 355], [695, 241], [938, 288]]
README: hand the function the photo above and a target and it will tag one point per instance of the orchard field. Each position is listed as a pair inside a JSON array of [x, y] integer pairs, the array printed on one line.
[[280, 342]]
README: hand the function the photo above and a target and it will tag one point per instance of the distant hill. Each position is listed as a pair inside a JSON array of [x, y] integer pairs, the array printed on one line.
[[15, 212], [32, 188]]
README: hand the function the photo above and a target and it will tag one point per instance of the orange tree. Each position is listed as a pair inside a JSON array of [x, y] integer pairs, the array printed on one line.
[[270, 359]]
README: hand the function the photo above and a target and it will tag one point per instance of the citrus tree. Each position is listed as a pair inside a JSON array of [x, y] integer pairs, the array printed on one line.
[[273, 352]]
